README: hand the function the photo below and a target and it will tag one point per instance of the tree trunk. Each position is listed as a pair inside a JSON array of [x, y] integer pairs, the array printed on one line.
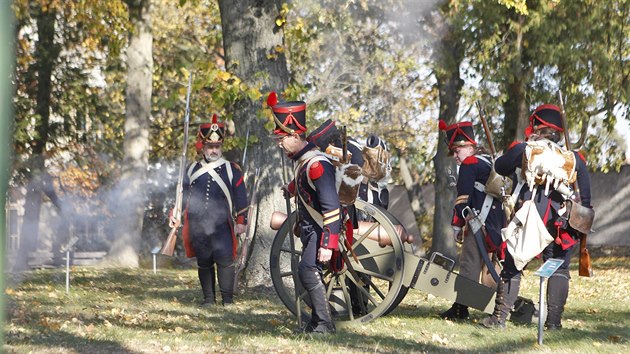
[[448, 60], [249, 34], [131, 199], [46, 54], [7, 62], [414, 189], [515, 107]]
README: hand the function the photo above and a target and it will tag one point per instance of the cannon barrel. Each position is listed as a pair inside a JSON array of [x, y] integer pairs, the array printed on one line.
[[277, 219], [378, 234]]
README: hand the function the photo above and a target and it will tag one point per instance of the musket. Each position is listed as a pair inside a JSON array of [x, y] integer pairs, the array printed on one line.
[[243, 239], [169, 245], [507, 203], [344, 144], [294, 260], [243, 255], [585, 269], [243, 160], [484, 122]]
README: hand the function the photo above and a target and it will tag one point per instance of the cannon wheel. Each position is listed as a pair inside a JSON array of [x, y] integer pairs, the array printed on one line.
[[376, 279]]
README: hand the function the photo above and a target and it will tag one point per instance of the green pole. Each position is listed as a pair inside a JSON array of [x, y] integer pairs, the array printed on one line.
[[6, 122]]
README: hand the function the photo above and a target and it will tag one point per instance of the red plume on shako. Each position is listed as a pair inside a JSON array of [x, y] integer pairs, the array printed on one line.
[[290, 117], [272, 99]]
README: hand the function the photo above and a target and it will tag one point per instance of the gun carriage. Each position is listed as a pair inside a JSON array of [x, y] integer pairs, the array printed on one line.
[[378, 269]]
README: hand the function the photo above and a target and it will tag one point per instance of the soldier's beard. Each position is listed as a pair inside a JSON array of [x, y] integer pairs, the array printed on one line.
[[211, 157]]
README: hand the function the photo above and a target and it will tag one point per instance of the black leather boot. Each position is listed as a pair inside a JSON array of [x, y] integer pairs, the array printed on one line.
[[206, 278], [507, 292], [456, 312], [321, 311], [557, 293], [226, 283], [321, 318]]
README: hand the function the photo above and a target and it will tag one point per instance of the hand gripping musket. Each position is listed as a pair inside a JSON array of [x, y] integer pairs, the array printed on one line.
[[243, 254], [585, 269], [169, 245], [506, 199], [294, 255]]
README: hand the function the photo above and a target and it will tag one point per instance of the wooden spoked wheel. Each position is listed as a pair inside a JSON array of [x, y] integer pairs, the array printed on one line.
[[369, 281]]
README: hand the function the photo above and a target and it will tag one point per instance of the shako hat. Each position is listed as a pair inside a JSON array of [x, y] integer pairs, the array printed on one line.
[[547, 115], [290, 117], [210, 133], [458, 134]]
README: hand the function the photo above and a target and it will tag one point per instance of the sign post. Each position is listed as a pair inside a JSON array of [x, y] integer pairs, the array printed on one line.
[[544, 272], [154, 252], [68, 248]]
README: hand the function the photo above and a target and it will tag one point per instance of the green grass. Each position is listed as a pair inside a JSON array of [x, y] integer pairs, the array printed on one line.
[[135, 311]]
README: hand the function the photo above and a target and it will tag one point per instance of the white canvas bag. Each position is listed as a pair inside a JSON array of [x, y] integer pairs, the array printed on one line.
[[526, 235]]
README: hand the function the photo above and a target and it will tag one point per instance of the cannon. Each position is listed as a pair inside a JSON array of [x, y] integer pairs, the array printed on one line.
[[378, 269]]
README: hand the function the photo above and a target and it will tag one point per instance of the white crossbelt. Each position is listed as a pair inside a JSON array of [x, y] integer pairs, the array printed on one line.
[[208, 167]]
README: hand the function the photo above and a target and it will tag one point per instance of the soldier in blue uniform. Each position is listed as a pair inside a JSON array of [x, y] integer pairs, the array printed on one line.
[[545, 123], [318, 206], [474, 170], [216, 211]]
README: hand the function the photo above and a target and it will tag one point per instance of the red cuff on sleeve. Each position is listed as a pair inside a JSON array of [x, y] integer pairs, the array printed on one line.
[[240, 219], [330, 241], [291, 187], [457, 221]]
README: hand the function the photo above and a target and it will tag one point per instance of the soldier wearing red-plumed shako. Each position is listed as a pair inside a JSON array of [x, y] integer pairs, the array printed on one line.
[[319, 213], [216, 211], [474, 171], [549, 201]]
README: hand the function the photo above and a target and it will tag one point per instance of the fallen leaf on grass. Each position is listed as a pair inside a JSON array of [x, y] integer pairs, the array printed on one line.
[[614, 338], [597, 344], [437, 338], [179, 330], [50, 324], [575, 323]]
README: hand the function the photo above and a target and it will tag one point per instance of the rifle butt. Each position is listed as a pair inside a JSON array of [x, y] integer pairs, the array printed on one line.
[[169, 245], [237, 273], [240, 263], [585, 269]]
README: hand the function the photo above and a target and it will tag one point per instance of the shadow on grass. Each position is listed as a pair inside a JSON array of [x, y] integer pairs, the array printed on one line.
[[49, 340], [168, 301], [580, 328]]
